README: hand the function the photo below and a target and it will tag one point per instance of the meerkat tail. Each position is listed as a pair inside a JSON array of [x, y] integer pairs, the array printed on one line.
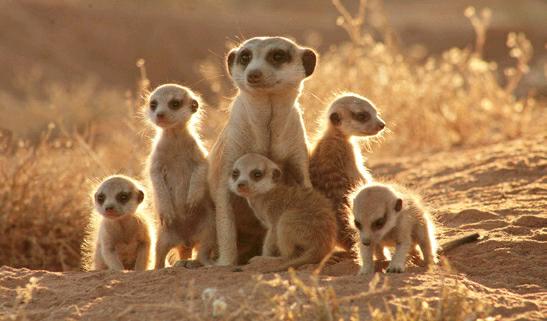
[[457, 242]]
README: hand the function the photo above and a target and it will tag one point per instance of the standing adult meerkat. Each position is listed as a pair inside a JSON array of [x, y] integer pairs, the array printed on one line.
[[121, 239], [388, 215], [178, 173], [301, 225], [265, 118], [336, 165]]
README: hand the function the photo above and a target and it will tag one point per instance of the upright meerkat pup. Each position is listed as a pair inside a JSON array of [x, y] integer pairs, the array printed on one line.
[[301, 226], [386, 215], [178, 172], [122, 238], [265, 118], [336, 165]]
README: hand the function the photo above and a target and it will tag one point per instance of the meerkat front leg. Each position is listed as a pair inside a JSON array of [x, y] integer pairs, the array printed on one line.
[[367, 261], [164, 204], [226, 226], [143, 254], [98, 261], [397, 264], [269, 248], [198, 185], [111, 257]]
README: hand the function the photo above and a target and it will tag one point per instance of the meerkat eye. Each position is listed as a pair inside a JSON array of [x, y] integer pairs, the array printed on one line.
[[194, 106], [175, 104], [245, 57], [378, 224], [361, 117], [279, 56], [358, 225], [101, 198], [235, 174], [123, 197], [153, 105], [256, 174]]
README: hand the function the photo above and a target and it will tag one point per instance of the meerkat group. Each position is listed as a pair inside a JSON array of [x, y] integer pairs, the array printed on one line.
[[261, 193]]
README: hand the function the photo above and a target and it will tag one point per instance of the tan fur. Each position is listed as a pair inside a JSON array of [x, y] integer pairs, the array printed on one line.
[[178, 173], [336, 165], [265, 118], [301, 226], [404, 227], [120, 238]]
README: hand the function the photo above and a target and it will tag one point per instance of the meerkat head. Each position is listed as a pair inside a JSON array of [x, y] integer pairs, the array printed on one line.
[[376, 209], [270, 64], [117, 196], [170, 105], [355, 115], [254, 174]]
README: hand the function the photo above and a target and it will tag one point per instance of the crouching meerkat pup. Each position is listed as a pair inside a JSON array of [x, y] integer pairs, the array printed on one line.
[[265, 118], [387, 215], [121, 239], [336, 165], [301, 225], [178, 173]]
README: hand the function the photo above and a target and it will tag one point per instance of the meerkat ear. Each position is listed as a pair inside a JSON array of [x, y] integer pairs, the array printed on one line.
[[335, 119], [194, 105], [140, 196], [230, 58], [276, 175], [399, 205], [309, 60]]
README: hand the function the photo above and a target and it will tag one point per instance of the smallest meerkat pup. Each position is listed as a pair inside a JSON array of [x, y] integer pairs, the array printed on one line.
[[301, 225], [387, 215], [121, 240], [336, 164]]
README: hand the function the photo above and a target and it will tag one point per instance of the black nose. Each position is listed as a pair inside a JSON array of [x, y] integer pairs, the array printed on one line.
[[241, 185], [160, 115], [254, 76], [381, 125], [109, 208]]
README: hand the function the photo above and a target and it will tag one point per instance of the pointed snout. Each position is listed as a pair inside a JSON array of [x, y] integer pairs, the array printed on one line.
[[254, 76], [365, 242]]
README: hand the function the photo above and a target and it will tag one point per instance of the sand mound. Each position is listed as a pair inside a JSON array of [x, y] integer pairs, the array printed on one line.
[[499, 191]]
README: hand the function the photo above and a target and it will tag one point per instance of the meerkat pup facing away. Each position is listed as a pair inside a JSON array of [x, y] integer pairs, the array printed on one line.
[[178, 173], [123, 236], [265, 118], [336, 165], [301, 226], [386, 215]]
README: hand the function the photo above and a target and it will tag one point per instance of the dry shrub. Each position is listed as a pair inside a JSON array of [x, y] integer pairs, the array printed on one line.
[[43, 205], [430, 103]]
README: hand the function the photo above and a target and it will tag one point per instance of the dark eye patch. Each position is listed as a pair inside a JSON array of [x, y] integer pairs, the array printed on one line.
[[245, 57], [361, 116], [358, 224], [235, 174], [256, 174], [379, 223], [123, 197], [277, 57], [100, 198], [175, 104], [153, 105]]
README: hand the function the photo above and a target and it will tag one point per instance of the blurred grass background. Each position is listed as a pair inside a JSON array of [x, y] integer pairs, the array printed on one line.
[[445, 74]]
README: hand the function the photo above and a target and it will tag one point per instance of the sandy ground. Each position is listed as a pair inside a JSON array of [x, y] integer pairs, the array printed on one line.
[[499, 191]]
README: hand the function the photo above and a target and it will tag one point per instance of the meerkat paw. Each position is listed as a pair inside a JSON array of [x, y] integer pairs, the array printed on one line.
[[395, 268], [189, 264]]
